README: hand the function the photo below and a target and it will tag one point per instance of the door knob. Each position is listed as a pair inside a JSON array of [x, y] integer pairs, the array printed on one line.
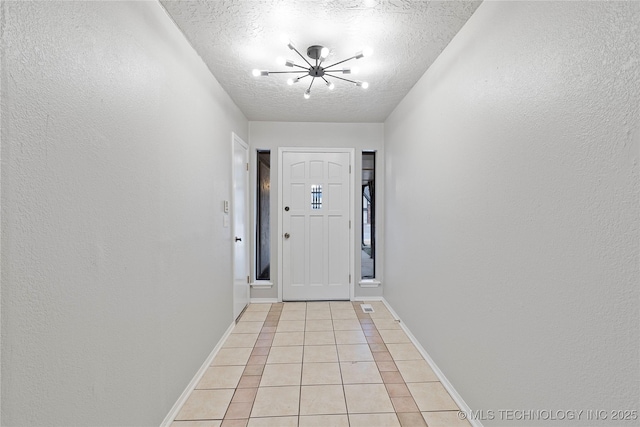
[[286, 208], [238, 239], [287, 235]]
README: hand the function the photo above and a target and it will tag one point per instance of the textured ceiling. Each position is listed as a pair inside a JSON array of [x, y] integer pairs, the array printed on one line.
[[234, 37]]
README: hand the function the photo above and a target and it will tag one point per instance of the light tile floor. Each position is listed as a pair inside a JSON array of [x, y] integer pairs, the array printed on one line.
[[318, 364]]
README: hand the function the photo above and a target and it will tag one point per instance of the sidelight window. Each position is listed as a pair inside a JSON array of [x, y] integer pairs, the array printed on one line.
[[368, 240], [263, 217]]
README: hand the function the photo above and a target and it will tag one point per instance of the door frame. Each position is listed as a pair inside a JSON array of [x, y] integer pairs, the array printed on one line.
[[280, 226], [236, 139]]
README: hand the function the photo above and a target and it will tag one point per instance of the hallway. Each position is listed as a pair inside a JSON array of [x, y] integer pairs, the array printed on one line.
[[507, 213], [318, 364]]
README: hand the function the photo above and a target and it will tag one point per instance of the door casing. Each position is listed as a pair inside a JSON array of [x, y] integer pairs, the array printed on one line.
[[280, 230], [240, 282]]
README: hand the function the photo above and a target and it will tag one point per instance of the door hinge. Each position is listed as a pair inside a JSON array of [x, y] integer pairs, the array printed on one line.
[[349, 168], [349, 224], [247, 166], [248, 280], [349, 278]]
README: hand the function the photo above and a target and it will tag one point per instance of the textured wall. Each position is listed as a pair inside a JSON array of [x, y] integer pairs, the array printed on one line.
[[513, 208], [360, 136], [116, 144]]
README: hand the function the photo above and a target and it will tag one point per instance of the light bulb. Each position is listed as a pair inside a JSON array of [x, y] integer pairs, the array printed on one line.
[[290, 82], [365, 85], [331, 85], [280, 60], [367, 51], [355, 70], [255, 72], [286, 40], [324, 52], [307, 94]]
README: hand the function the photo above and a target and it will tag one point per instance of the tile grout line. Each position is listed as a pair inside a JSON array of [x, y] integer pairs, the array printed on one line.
[[362, 319], [267, 320], [304, 337], [375, 343], [375, 328], [344, 392], [403, 404]]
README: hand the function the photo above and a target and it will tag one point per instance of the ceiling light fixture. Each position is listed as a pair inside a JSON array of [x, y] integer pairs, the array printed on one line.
[[319, 54]]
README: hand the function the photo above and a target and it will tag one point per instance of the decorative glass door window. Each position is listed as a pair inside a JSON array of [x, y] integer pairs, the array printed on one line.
[[316, 196]]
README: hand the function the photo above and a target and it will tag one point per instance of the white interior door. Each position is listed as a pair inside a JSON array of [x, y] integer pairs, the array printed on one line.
[[240, 215], [316, 245]]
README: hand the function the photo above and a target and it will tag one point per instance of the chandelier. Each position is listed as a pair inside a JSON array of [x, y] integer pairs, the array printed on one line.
[[316, 71]]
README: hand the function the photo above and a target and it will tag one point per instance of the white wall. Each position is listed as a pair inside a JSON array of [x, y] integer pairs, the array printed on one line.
[[361, 137], [512, 210], [116, 148]]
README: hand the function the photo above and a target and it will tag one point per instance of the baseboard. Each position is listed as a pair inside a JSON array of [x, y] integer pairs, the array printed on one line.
[[445, 382], [368, 299], [264, 300], [173, 413]]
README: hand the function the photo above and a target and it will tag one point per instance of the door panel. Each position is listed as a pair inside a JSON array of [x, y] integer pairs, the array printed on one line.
[[315, 218], [337, 239], [298, 265], [316, 250]]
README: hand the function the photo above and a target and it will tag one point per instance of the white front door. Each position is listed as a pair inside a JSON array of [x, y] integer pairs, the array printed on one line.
[[316, 235], [240, 215]]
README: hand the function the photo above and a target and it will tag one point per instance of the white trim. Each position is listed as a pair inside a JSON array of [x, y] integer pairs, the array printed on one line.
[[247, 250], [262, 284], [394, 314], [363, 299], [379, 226], [445, 382], [253, 184], [369, 283], [173, 413], [279, 226], [264, 300], [352, 198]]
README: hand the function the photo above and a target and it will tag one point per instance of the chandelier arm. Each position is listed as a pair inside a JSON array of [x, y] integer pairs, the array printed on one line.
[[312, 80], [299, 54], [300, 66], [287, 72], [341, 78], [344, 60]]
